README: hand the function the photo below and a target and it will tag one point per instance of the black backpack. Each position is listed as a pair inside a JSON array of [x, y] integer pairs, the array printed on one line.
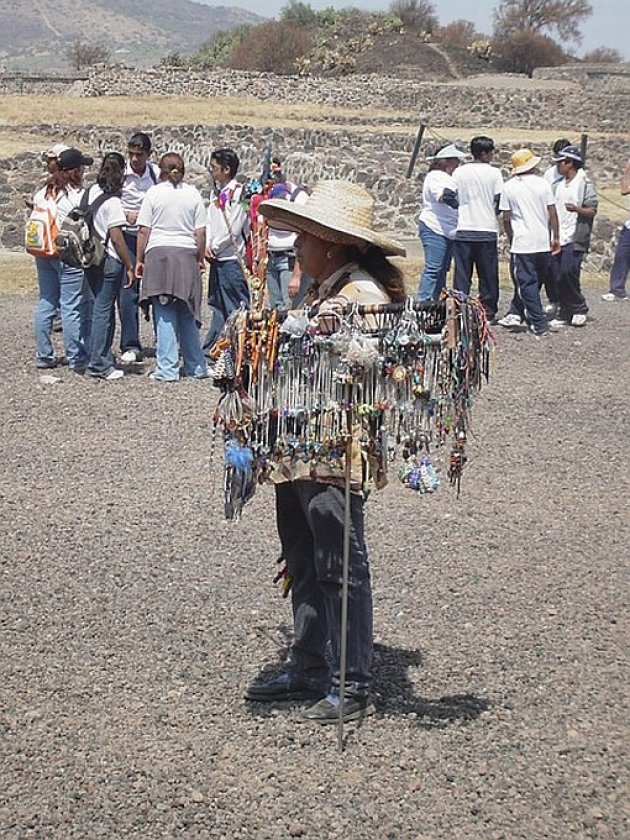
[[78, 243]]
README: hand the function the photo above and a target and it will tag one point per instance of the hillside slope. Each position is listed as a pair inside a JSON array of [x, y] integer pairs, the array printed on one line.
[[36, 34]]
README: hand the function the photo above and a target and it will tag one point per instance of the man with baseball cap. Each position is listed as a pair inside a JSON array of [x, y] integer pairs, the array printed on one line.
[[529, 212], [576, 204]]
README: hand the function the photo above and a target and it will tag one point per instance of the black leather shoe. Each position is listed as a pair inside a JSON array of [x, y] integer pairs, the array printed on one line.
[[327, 710], [283, 687]]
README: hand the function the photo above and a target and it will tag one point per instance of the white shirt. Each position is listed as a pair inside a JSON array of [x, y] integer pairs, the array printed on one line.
[[477, 186], [135, 187], [569, 192], [218, 237], [109, 215], [173, 213], [67, 201], [528, 198], [284, 240], [437, 215]]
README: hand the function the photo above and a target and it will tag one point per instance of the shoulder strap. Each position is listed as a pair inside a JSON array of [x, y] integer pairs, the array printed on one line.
[[152, 173], [296, 192]]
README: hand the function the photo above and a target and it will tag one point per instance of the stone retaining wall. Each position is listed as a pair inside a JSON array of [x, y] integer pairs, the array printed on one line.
[[378, 161]]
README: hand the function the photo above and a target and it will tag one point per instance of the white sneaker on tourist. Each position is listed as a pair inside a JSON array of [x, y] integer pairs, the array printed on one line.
[[557, 323], [113, 374], [510, 321], [578, 320], [131, 356], [611, 296]]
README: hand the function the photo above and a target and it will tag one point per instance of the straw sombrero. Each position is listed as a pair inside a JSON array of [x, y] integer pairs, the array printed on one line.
[[336, 211]]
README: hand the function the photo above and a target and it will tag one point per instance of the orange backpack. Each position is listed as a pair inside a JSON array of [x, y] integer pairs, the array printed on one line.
[[41, 229]]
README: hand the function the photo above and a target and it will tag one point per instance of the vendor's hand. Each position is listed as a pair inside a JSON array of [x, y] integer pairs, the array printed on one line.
[[139, 270], [131, 278]]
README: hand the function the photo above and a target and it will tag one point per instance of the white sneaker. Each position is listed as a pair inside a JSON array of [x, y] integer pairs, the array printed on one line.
[[557, 323], [551, 309], [578, 320], [510, 320], [113, 374], [130, 356], [611, 296]]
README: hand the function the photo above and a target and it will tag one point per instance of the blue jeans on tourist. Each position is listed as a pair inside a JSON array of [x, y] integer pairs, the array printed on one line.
[[310, 518], [128, 303], [105, 285], [621, 265], [227, 290], [438, 251], [279, 271], [62, 288], [177, 332]]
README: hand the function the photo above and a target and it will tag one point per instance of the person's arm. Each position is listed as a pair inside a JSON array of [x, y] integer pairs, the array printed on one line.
[[588, 208], [143, 238], [507, 225], [120, 246], [295, 281], [625, 180], [554, 226], [200, 242]]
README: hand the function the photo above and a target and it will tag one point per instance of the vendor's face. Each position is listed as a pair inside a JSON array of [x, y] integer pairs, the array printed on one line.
[[311, 253]]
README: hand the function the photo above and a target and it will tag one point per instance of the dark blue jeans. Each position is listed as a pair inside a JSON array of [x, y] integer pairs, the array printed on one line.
[[128, 303], [527, 271], [483, 256], [310, 518], [105, 285], [571, 301], [621, 264], [227, 290]]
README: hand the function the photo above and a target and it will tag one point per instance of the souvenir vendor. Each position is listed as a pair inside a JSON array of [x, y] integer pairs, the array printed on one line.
[[338, 247]]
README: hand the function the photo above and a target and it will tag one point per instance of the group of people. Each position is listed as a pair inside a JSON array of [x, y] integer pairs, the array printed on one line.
[[547, 217], [158, 237]]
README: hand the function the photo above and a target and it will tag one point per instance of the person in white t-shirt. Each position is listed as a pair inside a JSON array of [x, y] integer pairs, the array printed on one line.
[[576, 203], [553, 178], [529, 213], [109, 220], [170, 263], [438, 220], [479, 186], [62, 288]]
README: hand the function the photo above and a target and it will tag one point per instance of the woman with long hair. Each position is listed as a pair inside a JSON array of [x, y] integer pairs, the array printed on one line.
[[61, 287], [105, 280], [338, 247], [170, 262]]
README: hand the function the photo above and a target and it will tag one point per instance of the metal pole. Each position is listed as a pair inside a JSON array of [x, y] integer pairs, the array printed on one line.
[[345, 573], [583, 145], [416, 149]]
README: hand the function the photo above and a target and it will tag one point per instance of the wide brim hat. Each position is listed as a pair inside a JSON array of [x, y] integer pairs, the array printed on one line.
[[524, 160], [336, 211], [450, 152]]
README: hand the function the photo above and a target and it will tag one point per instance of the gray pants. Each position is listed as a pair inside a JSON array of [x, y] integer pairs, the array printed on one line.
[[310, 517]]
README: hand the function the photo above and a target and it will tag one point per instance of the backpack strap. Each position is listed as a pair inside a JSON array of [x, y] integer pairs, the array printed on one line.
[[152, 173], [296, 192], [90, 209]]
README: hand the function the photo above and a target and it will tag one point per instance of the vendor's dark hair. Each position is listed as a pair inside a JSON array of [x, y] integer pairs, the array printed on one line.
[[172, 168], [226, 157], [481, 145], [112, 173], [374, 261]]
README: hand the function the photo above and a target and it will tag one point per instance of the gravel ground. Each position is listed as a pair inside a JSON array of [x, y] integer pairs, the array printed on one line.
[[133, 616]]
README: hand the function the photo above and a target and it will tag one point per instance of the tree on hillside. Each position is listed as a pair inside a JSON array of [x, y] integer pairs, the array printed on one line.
[[272, 47], [526, 50], [81, 54], [562, 17], [603, 55], [302, 14], [218, 49], [417, 15], [458, 33]]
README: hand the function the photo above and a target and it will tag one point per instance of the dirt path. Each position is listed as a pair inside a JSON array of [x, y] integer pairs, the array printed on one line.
[[133, 616]]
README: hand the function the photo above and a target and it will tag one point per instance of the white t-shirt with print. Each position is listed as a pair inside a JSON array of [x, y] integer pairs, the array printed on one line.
[[528, 198], [436, 215], [477, 186], [173, 213], [109, 215], [67, 200]]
